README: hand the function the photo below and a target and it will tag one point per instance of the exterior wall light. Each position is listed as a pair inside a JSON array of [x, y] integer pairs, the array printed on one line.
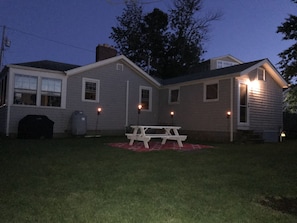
[[282, 136], [97, 121], [228, 114], [172, 115], [99, 110], [139, 110]]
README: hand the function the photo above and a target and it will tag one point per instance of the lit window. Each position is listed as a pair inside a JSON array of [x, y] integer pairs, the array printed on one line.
[[211, 92], [174, 96], [51, 92], [90, 90], [146, 98], [25, 89]]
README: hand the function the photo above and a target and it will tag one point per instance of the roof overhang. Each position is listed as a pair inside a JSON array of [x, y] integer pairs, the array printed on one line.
[[229, 56], [271, 70], [14, 66], [121, 59]]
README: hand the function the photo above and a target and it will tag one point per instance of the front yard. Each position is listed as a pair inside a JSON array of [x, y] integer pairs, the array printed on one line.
[[85, 180]]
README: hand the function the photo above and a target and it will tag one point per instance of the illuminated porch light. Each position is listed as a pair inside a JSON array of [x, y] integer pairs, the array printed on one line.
[[228, 114]]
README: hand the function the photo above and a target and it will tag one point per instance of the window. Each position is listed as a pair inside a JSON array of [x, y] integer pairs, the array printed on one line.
[[146, 98], [222, 64], [211, 92], [261, 74], [90, 90], [173, 95], [25, 89], [243, 103], [51, 92]]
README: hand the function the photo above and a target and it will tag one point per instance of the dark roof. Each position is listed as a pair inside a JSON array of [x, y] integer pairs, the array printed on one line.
[[210, 73], [49, 65]]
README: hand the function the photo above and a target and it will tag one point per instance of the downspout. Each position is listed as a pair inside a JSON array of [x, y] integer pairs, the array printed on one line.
[[231, 108], [127, 104]]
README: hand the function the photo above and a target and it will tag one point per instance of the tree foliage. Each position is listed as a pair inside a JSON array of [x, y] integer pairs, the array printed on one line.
[[166, 45], [127, 34], [288, 63], [290, 101]]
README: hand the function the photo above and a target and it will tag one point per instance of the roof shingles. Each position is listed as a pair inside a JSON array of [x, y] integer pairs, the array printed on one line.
[[49, 65], [211, 73]]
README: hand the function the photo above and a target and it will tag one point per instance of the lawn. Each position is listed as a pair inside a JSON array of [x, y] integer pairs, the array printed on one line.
[[85, 180]]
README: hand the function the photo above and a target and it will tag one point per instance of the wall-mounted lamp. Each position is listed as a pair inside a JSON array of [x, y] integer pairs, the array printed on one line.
[[172, 115], [139, 110], [99, 111], [282, 136], [228, 114]]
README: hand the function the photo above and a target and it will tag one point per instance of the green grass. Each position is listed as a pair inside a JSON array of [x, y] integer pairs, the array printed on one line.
[[84, 180]]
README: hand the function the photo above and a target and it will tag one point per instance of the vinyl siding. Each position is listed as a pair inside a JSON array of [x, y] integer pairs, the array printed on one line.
[[266, 105], [195, 114], [112, 98], [59, 116]]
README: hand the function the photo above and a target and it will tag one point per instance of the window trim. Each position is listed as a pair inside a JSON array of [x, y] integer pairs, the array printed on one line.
[[225, 63], [264, 74], [150, 97], [17, 90], [170, 96], [205, 91], [39, 75], [97, 82], [50, 93], [243, 125]]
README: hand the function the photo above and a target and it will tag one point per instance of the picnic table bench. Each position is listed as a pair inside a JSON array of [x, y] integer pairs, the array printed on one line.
[[140, 133]]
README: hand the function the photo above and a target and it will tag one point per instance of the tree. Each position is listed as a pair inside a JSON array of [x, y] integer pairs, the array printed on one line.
[[165, 45], [288, 63], [155, 38], [189, 34], [127, 35], [290, 101]]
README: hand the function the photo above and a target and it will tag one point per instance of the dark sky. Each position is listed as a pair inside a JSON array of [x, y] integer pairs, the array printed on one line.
[[69, 30]]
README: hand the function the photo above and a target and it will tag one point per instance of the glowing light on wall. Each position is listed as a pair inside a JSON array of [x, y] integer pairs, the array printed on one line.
[[255, 85]]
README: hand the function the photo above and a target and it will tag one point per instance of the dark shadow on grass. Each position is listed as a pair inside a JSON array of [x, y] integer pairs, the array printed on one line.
[[282, 204]]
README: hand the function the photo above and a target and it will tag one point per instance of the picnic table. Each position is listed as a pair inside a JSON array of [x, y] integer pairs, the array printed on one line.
[[144, 133]]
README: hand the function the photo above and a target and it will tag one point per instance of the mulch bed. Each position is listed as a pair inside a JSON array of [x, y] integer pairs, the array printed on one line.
[[157, 146], [282, 204]]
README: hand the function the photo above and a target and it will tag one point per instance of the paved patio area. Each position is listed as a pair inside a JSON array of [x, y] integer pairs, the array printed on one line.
[[156, 146]]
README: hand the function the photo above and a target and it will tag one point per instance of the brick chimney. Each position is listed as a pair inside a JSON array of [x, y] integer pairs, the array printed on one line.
[[104, 51]]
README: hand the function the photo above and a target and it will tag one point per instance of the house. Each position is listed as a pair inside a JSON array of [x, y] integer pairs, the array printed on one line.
[[251, 93], [228, 99]]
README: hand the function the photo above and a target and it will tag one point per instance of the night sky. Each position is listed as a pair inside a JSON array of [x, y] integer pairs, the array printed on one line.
[[69, 31]]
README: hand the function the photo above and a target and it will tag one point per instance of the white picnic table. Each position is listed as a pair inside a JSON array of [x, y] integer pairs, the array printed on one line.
[[141, 133]]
